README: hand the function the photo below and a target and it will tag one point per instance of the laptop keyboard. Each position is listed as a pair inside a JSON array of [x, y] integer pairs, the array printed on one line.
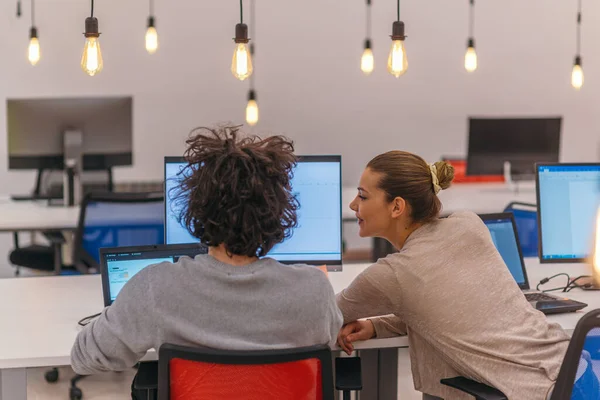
[[539, 297]]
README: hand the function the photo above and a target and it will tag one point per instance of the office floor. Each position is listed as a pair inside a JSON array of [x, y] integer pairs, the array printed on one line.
[[116, 386]]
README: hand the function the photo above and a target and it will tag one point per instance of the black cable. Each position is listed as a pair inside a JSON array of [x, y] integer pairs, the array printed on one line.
[[32, 14], [151, 7], [471, 18], [368, 19], [92, 9], [398, 10], [18, 8], [87, 320], [241, 12], [579, 27], [545, 280]]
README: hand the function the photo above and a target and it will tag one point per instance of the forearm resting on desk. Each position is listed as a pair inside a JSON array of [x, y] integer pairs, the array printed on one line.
[[388, 326]]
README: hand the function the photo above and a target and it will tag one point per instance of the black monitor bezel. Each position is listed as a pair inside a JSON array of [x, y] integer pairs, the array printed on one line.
[[539, 211], [332, 265]]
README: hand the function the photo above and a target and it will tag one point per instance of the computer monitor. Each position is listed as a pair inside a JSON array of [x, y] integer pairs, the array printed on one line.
[[520, 141], [318, 237], [36, 131], [568, 196], [119, 264]]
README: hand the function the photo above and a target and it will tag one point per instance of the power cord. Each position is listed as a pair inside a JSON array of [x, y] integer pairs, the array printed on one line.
[[87, 320], [571, 283]]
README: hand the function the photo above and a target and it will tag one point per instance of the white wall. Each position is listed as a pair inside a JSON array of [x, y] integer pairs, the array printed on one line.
[[307, 73]]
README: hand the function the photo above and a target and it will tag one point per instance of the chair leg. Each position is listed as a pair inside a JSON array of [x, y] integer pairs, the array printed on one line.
[[75, 393], [346, 395], [57, 258]]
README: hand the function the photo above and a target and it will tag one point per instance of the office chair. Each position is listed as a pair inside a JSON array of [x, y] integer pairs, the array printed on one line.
[[186, 373], [527, 228], [577, 379], [105, 220]]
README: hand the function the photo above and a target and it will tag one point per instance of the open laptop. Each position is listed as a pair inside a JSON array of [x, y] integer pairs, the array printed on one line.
[[119, 264], [504, 234]]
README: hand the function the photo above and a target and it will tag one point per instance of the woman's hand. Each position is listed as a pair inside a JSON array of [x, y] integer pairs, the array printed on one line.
[[357, 330]]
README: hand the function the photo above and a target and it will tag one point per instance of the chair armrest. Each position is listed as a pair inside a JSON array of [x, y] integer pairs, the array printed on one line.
[[479, 390], [147, 376]]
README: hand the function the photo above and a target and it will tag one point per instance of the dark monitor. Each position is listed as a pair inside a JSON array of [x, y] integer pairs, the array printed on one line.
[[520, 141], [36, 131], [568, 197], [318, 237]]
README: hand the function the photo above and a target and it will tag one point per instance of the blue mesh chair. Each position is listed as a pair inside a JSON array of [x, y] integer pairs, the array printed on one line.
[[526, 220], [105, 220]]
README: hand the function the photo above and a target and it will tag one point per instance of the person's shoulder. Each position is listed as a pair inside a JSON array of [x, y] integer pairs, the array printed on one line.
[[304, 273], [467, 221]]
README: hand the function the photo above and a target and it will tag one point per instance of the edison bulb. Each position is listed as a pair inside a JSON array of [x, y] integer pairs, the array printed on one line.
[[241, 65], [397, 60], [91, 59], [252, 112], [367, 62], [151, 40], [34, 50], [470, 59], [577, 77]]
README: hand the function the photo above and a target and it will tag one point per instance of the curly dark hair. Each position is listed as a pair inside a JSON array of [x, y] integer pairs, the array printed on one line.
[[237, 190]]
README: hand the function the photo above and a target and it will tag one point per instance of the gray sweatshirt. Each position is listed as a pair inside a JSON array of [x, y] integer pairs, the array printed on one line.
[[203, 302]]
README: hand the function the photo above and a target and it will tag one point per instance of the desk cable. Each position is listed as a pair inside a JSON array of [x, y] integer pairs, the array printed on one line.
[[571, 283], [87, 320]]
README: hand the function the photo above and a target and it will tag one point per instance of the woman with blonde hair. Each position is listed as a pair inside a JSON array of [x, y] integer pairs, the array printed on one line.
[[447, 288]]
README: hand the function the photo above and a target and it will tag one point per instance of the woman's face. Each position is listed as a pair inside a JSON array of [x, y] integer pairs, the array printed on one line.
[[376, 216]]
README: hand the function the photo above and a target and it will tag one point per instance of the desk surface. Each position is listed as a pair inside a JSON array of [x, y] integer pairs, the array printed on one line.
[[40, 314], [35, 215]]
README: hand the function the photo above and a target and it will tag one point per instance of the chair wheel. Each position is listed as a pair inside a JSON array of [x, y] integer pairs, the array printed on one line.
[[51, 376], [75, 393]]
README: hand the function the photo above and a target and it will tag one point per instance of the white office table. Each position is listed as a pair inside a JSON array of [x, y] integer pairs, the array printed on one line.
[[18, 216]]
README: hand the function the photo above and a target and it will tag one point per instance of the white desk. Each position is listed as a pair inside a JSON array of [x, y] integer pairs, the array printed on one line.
[[40, 320], [35, 215], [477, 197]]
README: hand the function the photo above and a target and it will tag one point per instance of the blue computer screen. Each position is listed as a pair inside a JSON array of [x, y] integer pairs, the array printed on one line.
[[316, 185], [569, 196], [503, 235]]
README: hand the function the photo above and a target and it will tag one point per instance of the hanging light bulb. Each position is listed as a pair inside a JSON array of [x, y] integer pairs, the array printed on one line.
[[34, 47], [241, 64], [367, 62], [252, 109], [397, 60], [91, 59], [577, 74], [471, 56], [151, 36]]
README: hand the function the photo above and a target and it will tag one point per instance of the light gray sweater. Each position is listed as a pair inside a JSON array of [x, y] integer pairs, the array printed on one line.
[[203, 302]]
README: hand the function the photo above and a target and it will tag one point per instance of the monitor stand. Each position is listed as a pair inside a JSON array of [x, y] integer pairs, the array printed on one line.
[[73, 163]]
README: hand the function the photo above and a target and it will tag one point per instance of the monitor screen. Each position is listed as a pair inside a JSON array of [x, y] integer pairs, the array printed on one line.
[[568, 196], [120, 264], [520, 141], [318, 237], [505, 240]]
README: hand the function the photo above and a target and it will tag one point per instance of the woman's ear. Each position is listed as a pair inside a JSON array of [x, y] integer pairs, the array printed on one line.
[[398, 207]]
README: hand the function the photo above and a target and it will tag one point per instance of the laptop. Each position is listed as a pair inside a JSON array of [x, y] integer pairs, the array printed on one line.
[[503, 229], [119, 264]]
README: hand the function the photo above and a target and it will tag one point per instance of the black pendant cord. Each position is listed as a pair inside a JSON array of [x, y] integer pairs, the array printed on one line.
[[578, 44], [241, 12], [368, 22], [398, 12], [151, 7], [92, 13], [32, 13], [253, 37], [18, 8], [471, 18]]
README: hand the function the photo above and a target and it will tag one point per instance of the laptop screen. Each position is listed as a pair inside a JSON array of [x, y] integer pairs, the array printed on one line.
[[568, 199], [503, 234], [120, 264], [318, 237]]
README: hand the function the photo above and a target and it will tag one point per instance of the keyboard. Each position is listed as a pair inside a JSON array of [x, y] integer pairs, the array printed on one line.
[[539, 297]]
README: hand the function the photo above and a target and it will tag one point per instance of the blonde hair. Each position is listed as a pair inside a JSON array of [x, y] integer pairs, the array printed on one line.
[[408, 176]]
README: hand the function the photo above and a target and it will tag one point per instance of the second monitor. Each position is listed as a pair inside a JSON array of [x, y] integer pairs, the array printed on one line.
[[318, 237]]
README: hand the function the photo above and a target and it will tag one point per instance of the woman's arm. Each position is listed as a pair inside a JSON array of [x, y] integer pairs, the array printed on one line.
[[367, 294]]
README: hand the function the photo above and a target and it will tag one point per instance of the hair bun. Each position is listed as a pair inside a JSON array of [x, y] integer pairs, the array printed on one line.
[[445, 174]]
